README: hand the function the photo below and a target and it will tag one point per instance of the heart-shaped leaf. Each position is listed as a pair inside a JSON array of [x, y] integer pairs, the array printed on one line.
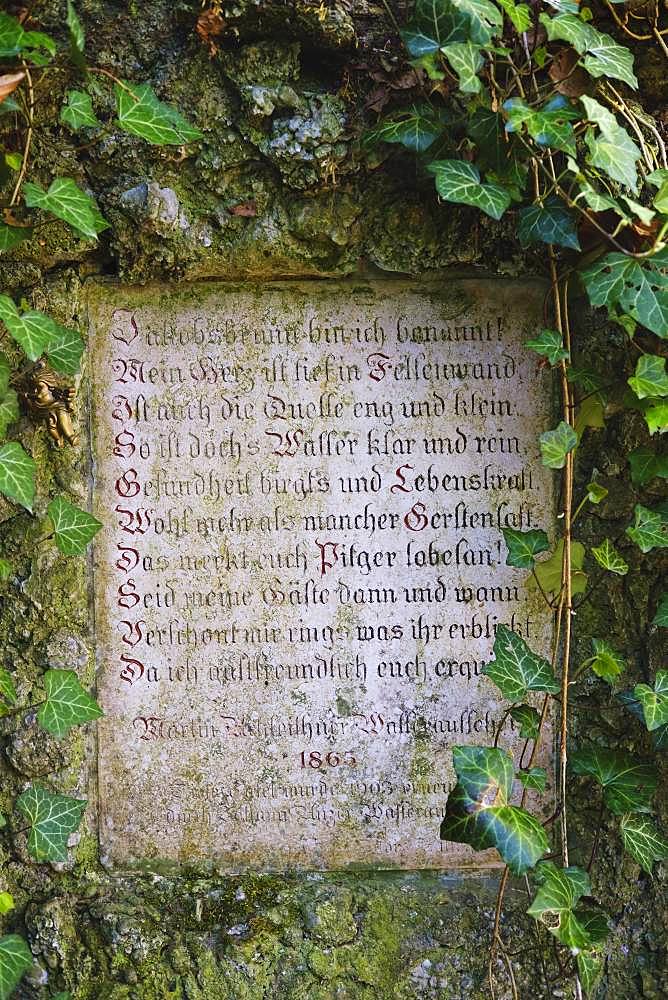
[[78, 111], [548, 223], [528, 719], [460, 182], [67, 202], [17, 474], [533, 777], [549, 571], [643, 841], [654, 701], [141, 113], [53, 818], [554, 905], [15, 955], [556, 444], [649, 531], [67, 703], [65, 350], [34, 331], [660, 735], [467, 61], [73, 528], [607, 556], [628, 785], [416, 128], [432, 26], [646, 465], [516, 669], [549, 344], [523, 546], [651, 378], [606, 663], [478, 811], [638, 288], [11, 236]]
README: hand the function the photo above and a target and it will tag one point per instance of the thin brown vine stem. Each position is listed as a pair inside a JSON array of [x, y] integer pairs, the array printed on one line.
[[29, 132], [648, 125], [618, 103]]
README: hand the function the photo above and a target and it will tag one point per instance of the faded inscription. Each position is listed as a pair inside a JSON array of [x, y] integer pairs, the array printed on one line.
[[301, 570]]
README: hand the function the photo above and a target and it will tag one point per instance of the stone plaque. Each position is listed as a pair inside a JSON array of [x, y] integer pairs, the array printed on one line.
[[301, 569]]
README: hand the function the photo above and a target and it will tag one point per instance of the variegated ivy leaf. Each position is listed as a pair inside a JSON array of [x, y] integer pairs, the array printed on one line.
[[656, 416], [549, 344], [9, 410], [8, 697], [73, 528], [516, 669], [533, 778], [661, 616], [549, 126], [606, 662], [637, 288], [466, 60], [17, 474], [67, 202], [604, 57], [519, 14], [643, 841], [478, 810], [549, 572], [15, 955], [628, 785], [141, 113], [76, 32], [555, 905], [549, 222], [590, 970], [528, 719], [415, 128], [523, 546], [65, 350], [646, 465], [459, 182], [11, 236], [607, 556], [67, 703], [485, 21], [53, 818], [556, 444], [654, 701], [649, 531], [651, 378]]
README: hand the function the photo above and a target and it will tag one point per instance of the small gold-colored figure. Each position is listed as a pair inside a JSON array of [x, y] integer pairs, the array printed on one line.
[[48, 399]]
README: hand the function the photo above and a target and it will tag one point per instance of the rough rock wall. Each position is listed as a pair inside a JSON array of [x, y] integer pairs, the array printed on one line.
[[278, 186]]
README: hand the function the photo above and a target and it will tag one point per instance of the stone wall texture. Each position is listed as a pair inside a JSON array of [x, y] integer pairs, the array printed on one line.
[[280, 186]]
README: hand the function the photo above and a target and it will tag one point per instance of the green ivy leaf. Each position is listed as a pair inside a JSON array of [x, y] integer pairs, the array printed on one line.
[[484, 19], [516, 669], [9, 410], [478, 813], [466, 60], [11, 36], [616, 154], [65, 350], [646, 465], [67, 202], [5, 568], [52, 817], [460, 182], [660, 735], [15, 955], [651, 378], [639, 288], [76, 32], [596, 493], [5, 374], [590, 413], [32, 330], [648, 531], [549, 126], [661, 198], [607, 556], [549, 344], [528, 719], [518, 14], [73, 528], [606, 662], [17, 474], [654, 701], [661, 616], [78, 112], [628, 785], [590, 969], [547, 223], [141, 113], [434, 24], [67, 703], [533, 777], [555, 905], [643, 841], [8, 696], [523, 546], [549, 571], [415, 128], [6, 903], [656, 417], [604, 56], [11, 236], [556, 444]]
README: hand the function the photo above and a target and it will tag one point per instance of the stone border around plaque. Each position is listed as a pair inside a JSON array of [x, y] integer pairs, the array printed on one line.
[[302, 485]]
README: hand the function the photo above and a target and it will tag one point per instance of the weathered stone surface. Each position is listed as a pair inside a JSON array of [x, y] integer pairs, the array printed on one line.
[[302, 569]]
